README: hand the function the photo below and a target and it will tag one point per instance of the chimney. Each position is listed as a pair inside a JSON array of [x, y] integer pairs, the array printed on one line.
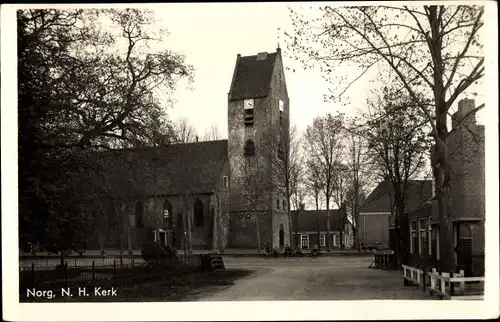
[[197, 138], [465, 107]]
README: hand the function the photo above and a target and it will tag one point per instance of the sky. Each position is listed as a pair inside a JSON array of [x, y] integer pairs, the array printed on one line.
[[211, 35]]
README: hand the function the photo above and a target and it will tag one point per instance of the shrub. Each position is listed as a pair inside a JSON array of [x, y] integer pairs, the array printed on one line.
[[154, 253]]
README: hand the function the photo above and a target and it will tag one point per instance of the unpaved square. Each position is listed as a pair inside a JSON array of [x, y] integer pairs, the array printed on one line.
[[324, 278]]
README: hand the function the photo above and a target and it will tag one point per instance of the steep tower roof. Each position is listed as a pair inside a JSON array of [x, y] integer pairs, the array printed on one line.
[[252, 76]]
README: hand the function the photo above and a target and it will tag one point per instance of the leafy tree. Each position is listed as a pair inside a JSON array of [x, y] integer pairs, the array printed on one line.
[[434, 50], [83, 87]]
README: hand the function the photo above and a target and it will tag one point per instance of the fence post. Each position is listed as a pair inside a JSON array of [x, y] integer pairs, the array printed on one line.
[[32, 274], [93, 270], [75, 262], [462, 283], [424, 272], [443, 282], [114, 272], [65, 274], [433, 280]]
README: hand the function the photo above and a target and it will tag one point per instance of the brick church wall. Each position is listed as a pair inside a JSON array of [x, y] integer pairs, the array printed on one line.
[[243, 230]]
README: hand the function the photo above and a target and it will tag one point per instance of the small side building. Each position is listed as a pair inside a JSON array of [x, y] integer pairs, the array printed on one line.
[[310, 228], [376, 214]]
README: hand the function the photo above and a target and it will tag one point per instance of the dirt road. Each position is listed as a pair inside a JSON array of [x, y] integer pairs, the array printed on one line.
[[326, 278]]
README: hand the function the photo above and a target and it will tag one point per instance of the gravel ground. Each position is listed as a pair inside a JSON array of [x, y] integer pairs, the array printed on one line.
[[325, 278]]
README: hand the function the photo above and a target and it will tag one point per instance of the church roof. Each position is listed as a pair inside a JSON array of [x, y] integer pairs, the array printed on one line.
[[252, 77], [309, 220], [418, 193], [167, 170]]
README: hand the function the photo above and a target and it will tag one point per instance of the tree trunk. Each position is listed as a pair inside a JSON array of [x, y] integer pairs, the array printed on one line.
[[189, 230], [328, 234], [297, 237], [62, 257], [446, 249], [441, 166], [220, 231], [319, 231], [258, 232], [290, 222], [403, 231], [215, 228], [184, 232]]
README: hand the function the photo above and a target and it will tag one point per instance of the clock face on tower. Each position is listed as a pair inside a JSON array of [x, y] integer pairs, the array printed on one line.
[[248, 104]]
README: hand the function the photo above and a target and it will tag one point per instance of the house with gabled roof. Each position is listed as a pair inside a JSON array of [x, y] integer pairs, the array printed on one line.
[[466, 209], [376, 214], [310, 229]]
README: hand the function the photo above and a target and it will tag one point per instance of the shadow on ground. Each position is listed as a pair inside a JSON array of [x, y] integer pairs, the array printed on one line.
[[181, 288]]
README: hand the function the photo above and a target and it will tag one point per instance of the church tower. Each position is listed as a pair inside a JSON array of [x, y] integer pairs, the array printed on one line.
[[258, 127]]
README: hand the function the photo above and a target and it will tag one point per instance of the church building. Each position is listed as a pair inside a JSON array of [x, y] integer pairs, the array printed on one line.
[[217, 194]]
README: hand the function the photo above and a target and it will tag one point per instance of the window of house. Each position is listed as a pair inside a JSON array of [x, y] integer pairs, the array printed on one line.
[[167, 215], [284, 205], [422, 235], [413, 236], [336, 240], [282, 108], [249, 148], [433, 242], [139, 213], [278, 204], [249, 108], [429, 235], [225, 181], [198, 213], [437, 244], [304, 241], [322, 240]]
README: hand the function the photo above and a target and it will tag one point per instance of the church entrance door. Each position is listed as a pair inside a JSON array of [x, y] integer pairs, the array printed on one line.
[[282, 236]]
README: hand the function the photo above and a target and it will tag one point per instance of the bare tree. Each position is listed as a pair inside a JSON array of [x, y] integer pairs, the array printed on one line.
[[255, 190], [212, 133], [399, 147], [287, 167], [313, 182], [185, 132], [430, 49], [339, 195], [325, 150], [358, 163]]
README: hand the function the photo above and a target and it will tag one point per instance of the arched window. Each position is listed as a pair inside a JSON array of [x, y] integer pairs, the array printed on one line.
[[167, 215], [278, 204], [198, 213], [249, 148], [139, 213], [281, 151], [284, 205]]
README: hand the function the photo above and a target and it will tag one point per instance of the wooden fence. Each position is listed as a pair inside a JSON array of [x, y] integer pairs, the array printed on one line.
[[446, 285]]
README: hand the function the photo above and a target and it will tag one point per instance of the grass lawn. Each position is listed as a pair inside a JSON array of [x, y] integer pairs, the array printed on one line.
[[179, 288]]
